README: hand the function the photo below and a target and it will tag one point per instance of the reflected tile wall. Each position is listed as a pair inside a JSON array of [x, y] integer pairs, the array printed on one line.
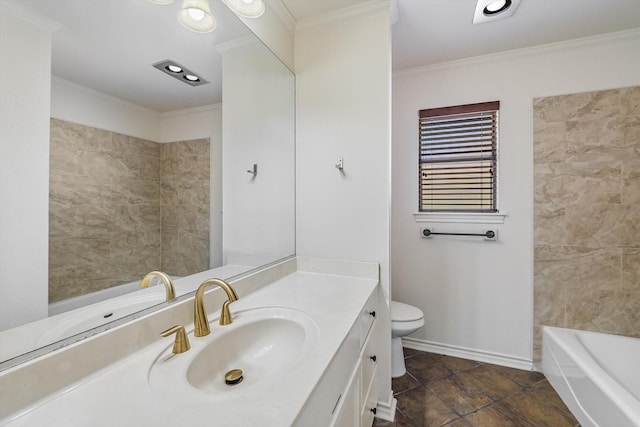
[[185, 206], [586, 213], [105, 208]]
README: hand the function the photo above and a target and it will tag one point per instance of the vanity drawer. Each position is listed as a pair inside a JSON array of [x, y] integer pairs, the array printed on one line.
[[368, 315], [369, 360]]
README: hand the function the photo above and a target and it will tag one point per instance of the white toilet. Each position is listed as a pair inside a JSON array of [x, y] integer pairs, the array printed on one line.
[[405, 319]]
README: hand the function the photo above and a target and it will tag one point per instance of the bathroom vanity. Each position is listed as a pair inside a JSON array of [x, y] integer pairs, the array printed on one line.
[[307, 334]]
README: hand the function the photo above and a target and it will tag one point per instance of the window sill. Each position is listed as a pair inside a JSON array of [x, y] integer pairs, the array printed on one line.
[[466, 218]]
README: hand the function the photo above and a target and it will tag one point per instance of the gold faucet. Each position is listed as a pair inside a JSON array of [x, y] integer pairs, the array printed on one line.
[[200, 322], [164, 278], [181, 343]]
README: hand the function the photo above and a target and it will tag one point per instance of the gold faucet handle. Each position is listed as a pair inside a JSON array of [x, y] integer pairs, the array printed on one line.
[[225, 314], [181, 343]]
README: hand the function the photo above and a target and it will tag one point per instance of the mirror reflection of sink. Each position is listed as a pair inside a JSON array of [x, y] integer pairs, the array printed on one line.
[[80, 320], [264, 343]]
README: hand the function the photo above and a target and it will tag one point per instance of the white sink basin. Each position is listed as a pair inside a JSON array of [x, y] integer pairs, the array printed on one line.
[[265, 343]]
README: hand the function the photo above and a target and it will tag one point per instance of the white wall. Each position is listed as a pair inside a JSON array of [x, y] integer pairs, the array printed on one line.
[[25, 76], [258, 128], [343, 78], [478, 296], [343, 100], [78, 104]]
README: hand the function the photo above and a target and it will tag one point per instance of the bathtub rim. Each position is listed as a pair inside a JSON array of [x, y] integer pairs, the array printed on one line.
[[569, 342]]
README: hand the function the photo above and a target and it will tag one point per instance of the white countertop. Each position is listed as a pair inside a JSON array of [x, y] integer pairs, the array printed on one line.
[[120, 394]]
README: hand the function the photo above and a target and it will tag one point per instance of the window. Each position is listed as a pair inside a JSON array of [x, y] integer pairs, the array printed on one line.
[[458, 158]]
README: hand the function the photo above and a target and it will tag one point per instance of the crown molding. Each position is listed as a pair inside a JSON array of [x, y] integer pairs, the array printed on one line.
[[343, 14], [102, 95], [107, 97], [517, 53], [284, 15], [189, 111], [224, 47]]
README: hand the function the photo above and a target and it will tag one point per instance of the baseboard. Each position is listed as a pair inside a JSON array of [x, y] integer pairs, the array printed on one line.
[[387, 410], [469, 353]]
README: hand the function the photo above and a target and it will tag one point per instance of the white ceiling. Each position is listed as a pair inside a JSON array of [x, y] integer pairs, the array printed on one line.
[[433, 31], [91, 50], [110, 46]]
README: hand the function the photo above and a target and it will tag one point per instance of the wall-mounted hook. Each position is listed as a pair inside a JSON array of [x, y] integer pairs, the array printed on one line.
[[340, 164], [254, 171]]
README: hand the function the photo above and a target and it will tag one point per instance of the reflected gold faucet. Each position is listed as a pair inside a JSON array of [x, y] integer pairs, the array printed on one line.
[[164, 278], [200, 322]]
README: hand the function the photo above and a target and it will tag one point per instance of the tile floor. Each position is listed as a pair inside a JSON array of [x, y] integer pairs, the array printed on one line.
[[447, 391]]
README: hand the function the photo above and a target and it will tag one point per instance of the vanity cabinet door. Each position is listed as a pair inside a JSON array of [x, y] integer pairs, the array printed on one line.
[[348, 391], [327, 398], [369, 408], [348, 411]]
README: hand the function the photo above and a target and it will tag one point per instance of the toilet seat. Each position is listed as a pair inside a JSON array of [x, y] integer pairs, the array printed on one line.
[[401, 312]]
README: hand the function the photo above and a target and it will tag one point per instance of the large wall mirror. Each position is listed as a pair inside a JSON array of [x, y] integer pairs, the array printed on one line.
[[149, 168]]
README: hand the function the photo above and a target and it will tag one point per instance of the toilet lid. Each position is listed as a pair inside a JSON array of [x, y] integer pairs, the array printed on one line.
[[401, 312]]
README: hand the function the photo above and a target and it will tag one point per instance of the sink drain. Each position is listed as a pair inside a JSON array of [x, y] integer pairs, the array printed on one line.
[[233, 377]]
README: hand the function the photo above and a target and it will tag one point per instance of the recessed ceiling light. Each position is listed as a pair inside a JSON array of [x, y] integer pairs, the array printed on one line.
[[496, 7], [491, 10], [175, 70]]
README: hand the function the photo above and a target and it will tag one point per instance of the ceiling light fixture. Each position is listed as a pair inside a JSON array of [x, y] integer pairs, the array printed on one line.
[[196, 16], [491, 10], [177, 71], [191, 78], [496, 7], [246, 8]]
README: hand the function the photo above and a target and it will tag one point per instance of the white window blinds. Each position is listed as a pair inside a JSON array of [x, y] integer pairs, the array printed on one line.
[[458, 158]]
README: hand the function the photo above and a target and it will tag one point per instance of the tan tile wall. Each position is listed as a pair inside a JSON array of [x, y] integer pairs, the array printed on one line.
[[587, 212], [185, 206], [105, 217]]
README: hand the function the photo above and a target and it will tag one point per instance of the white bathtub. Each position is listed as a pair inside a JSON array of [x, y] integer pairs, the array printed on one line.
[[596, 375]]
